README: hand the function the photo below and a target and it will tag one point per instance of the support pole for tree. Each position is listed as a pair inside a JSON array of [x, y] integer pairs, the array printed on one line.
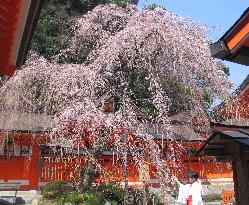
[[126, 174]]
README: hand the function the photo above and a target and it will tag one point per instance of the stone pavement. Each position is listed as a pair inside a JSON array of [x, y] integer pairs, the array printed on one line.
[[205, 203], [23, 197]]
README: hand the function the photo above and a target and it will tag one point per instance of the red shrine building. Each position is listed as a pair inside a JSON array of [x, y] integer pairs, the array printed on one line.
[[25, 156], [230, 142], [25, 147]]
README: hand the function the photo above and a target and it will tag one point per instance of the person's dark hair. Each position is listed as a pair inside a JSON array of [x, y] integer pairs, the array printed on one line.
[[193, 175]]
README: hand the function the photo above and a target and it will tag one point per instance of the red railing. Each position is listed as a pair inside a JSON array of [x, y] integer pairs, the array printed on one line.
[[68, 169], [228, 196], [65, 169]]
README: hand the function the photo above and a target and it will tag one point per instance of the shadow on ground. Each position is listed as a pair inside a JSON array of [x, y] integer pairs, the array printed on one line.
[[9, 200]]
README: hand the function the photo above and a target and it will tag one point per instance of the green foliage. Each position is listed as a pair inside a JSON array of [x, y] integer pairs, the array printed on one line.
[[225, 68], [86, 198], [54, 189], [184, 90], [53, 31], [154, 6], [111, 192], [141, 93], [82, 6], [180, 95], [212, 197], [3, 79], [105, 192], [207, 98]]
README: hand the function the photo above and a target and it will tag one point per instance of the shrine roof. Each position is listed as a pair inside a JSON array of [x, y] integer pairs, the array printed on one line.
[[176, 133], [23, 121], [17, 22], [234, 44], [221, 142]]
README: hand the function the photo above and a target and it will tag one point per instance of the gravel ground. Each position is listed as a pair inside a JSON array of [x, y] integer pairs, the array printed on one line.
[[216, 189]]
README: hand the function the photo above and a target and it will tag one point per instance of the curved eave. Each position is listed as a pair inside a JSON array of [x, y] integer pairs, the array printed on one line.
[[234, 44], [17, 21]]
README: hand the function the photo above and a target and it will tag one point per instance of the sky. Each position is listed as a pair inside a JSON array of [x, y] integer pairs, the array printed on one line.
[[219, 13]]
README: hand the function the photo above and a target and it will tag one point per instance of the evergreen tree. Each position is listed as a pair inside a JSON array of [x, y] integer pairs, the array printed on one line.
[[53, 31]]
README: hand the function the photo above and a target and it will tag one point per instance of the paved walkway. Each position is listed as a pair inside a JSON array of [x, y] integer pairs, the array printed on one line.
[[23, 197], [205, 203]]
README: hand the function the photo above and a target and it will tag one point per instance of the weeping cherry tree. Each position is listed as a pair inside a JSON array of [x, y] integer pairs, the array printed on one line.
[[152, 62]]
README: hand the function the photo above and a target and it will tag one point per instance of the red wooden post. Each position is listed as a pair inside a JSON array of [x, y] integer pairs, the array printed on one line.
[[34, 171]]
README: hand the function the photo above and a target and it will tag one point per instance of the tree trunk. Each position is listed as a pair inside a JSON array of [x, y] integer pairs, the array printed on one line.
[[89, 173], [87, 176]]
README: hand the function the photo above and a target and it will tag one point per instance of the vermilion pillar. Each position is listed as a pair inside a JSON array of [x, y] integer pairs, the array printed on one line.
[[34, 171]]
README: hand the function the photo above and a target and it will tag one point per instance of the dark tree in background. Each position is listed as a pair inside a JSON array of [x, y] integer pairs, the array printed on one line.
[[53, 31]]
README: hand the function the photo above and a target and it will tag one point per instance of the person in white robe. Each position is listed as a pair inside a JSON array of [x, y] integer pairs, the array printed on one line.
[[193, 189]]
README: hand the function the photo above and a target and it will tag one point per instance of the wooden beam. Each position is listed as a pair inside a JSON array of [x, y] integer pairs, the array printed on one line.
[[227, 158], [214, 153], [215, 146]]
